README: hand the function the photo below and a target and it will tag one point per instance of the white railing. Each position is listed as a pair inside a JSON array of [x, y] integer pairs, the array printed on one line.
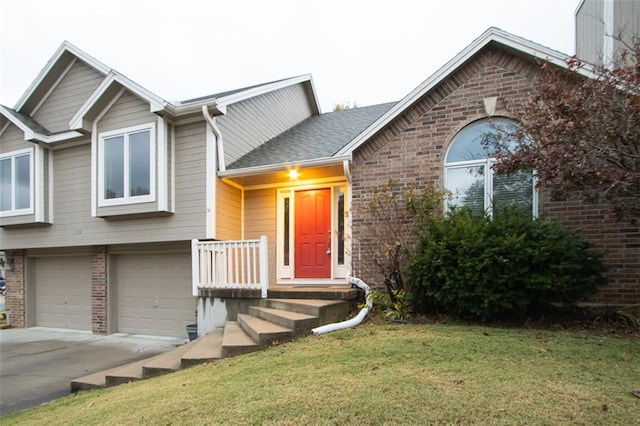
[[230, 265]]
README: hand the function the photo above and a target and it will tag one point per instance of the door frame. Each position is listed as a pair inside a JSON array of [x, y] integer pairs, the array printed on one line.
[[285, 270]]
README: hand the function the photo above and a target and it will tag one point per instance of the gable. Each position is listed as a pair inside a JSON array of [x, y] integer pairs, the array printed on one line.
[[250, 123], [128, 110], [57, 107], [12, 138], [493, 72]]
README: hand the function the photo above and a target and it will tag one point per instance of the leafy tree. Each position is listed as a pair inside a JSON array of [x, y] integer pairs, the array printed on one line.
[[344, 106], [580, 131]]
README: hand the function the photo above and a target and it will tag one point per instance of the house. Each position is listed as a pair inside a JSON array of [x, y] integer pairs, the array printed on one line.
[[437, 129], [124, 208], [105, 185]]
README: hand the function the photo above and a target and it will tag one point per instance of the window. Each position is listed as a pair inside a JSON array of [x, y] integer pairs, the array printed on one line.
[[470, 178], [127, 172], [16, 183]]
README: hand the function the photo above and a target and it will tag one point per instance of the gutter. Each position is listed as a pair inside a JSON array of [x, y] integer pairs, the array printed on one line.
[[216, 131], [353, 321], [258, 170]]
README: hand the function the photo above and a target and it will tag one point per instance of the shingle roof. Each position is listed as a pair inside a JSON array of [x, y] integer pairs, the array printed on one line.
[[228, 92], [319, 136], [28, 121]]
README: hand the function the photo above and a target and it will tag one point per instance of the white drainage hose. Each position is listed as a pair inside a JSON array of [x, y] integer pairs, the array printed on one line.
[[353, 321]]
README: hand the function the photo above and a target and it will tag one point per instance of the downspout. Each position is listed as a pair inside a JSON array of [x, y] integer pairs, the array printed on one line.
[[216, 131], [355, 320]]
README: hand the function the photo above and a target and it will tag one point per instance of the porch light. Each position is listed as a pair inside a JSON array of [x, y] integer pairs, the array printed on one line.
[[293, 174]]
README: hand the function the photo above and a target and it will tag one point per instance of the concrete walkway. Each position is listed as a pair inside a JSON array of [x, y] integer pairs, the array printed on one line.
[[37, 364]]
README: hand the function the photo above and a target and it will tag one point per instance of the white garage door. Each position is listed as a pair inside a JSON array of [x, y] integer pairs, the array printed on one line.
[[63, 292], [154, 294]]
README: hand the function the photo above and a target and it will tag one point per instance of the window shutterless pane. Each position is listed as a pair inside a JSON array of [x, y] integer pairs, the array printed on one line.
[[286, 232], [513, 190], [139, 164], [114, 167], [341, 228], [5, 184], [467, 187], [23, 182]]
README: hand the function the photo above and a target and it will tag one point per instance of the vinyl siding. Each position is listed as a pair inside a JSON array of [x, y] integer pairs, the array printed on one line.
[[13, 139], [626, 18], [128, 111], [67, 97], [251, 123], [228, 212], [590, 31], [73, 224], [260, 219]]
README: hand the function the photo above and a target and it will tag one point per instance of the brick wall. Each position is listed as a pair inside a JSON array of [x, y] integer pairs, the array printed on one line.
[[99, 301], [411, 150], [16, 289]]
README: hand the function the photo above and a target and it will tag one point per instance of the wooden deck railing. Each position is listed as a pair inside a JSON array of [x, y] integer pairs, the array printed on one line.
[[230, 265]]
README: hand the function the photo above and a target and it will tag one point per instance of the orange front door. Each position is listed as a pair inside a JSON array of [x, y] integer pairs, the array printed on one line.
[[313, 234]]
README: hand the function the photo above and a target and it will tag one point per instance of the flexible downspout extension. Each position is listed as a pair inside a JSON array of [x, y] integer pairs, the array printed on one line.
[[353, 321]]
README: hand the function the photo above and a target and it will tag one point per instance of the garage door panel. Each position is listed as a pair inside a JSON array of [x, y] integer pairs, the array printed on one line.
[[63, 292], [154, 294]]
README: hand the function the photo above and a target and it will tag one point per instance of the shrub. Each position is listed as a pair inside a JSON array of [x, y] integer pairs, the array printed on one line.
[[499, 268]]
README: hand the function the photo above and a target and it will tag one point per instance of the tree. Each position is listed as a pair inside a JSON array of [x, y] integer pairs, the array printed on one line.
[[344, 106], [580, 131]]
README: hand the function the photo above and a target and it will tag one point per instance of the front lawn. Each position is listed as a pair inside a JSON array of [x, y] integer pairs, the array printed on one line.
[[385, 374]]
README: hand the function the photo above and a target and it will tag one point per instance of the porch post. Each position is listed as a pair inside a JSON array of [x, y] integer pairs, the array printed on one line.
[[264, 267], [195, 267]]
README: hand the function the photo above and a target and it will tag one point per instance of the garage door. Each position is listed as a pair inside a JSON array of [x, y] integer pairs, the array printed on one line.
[[154, 294], [63, 292]]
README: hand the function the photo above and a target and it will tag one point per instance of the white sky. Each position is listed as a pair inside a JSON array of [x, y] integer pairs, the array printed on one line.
[[362, 51]]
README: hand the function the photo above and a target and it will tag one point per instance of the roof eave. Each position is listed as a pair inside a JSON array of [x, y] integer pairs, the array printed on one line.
[[270, 168], [491, 35]]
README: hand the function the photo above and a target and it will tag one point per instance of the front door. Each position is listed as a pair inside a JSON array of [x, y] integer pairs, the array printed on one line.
[[313, 233]]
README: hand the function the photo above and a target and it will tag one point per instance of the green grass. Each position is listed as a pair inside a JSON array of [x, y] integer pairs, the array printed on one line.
[[385, 374]]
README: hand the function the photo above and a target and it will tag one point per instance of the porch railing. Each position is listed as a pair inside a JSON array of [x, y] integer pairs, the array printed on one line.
[[230, 265]]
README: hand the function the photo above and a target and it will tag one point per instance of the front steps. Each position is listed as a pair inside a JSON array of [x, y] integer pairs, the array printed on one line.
[[274, 321]]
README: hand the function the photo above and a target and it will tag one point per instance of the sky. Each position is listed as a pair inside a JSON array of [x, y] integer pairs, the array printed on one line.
[[362, 52]]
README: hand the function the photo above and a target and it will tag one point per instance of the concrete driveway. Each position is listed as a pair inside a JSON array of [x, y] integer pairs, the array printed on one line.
[[37, 364]]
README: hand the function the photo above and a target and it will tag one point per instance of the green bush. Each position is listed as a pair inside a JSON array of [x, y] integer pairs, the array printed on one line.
[[497, 268]]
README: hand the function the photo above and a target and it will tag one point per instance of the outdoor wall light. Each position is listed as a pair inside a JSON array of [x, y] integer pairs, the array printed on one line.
[[293, 174]]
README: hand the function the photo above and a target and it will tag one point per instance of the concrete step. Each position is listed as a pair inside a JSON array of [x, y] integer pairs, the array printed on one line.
[[207, 348], [327, 311], [311, 292], [167, 362], [264, 332], [298, 322], [235, 341], [128, 373]]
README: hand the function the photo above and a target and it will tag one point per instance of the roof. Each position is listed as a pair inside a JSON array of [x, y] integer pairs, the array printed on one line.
[[319, 136], [491, 36], [34, 131]]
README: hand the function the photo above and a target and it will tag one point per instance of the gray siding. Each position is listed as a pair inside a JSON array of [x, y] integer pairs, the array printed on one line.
[[13, 139], [626, 20], [73, 224], [251, 123], [67, 98], [128, 111]]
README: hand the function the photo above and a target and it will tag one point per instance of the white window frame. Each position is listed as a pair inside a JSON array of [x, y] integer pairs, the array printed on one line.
[[127, 199], [12, 155], [488, 183]]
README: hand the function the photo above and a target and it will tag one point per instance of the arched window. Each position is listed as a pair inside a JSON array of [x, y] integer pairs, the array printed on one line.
[[470, 178]]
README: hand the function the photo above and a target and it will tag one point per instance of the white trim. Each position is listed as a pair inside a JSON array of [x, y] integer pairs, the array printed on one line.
[[491, 35], [155, 102], [64, 47], [210, 182], [53, 86], [30, 135], [12, 155], [309, 183], [270, 168], [128, 199], [173, 168], [38, 184], [161, 141], [94, 169], [607, 37], [50, 182]]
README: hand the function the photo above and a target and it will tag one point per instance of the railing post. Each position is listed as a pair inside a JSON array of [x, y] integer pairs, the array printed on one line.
[[264, 267], [195, 267]]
